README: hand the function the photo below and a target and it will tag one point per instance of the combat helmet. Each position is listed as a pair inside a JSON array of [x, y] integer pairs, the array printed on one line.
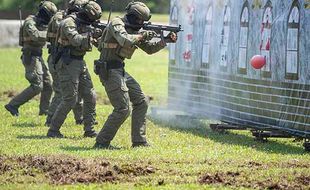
[[90, 12], [139, 9], [76, 5], [46, 10]]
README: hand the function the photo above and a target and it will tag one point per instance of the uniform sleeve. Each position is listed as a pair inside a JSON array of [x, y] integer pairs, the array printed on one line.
[[34, 33], [118, 31], [76, 39], [151, 47]]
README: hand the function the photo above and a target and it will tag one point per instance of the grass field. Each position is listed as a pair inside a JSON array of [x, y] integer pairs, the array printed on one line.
[[184, 154]]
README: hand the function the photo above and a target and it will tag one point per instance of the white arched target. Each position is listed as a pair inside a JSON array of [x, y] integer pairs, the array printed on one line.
[[292, 43], [243, 39], [173, 21], [225, 36], [207, 38], [266, 38]]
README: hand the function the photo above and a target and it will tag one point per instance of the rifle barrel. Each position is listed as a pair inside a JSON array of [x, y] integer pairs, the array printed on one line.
[[20, 15]]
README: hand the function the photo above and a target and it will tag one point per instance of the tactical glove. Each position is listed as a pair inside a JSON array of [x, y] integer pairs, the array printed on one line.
[[147, 35], [96, 33], [171, 38]]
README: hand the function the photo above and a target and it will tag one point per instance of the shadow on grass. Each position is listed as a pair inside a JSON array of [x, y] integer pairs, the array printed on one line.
[[31, 137], [201, 129], [76, 148], [25, 124]]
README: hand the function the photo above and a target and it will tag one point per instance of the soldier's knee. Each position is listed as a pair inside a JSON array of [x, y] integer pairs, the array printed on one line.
[[143, 104], [37, 88], [71, 101], [124, 113]]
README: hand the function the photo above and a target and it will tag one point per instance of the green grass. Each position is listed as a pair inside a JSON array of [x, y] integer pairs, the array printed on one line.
[[182, 150]]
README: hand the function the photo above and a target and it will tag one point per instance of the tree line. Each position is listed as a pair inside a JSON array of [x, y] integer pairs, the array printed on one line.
[[156, 6]]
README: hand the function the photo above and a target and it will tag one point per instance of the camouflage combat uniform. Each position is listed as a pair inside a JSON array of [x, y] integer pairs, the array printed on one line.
[[117, 44], [33, 39], [74, 41], [51, 36]]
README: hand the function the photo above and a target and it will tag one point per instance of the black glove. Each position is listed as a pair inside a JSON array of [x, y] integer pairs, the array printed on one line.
[[171, 38], [96, 33], [147, 35]]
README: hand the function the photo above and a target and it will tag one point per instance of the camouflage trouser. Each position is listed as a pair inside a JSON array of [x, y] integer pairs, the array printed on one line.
[[74, 78], [122, 89], [40, 82], [77, 110]]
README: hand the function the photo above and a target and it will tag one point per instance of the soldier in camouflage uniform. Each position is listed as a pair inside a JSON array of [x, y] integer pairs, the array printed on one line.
[[74, 7], [74, 38], [32, 39], [119, 41]]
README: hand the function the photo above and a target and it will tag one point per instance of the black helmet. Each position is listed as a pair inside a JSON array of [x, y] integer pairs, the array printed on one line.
[[139, 9], [90, 12], [76, 5], [46, 11]]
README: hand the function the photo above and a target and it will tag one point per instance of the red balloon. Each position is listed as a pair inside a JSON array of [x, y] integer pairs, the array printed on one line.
[[258, 61]]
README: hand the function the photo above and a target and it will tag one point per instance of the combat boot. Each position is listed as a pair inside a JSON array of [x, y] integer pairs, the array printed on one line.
[[54, 134], [79, 121], [90, 134], [12, 109], [107, 146], [48, 121], [42, 113], [140, 144]]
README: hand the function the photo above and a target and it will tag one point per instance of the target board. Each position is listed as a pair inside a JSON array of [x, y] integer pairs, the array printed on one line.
[[210, 74]]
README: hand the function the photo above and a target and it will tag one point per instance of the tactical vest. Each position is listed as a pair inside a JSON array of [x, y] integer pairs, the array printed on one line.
[[53, 27], [25, 39], [109, 42], [64, 42]]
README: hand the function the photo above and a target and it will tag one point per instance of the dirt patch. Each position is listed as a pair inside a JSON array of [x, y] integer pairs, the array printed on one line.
[[305, 180], [219, 178], [8, 94], [134, 169], [251, 164], [69, 170], [237, 179], [293, 164]]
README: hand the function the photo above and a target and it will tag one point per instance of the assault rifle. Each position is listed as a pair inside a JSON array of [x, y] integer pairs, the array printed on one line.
[[99, 25], [160, 28]]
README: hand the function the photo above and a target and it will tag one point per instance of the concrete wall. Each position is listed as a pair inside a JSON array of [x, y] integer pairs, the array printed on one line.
[[9, 33]]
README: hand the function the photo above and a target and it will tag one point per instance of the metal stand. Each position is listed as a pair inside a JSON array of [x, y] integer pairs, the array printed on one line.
[[264, 135], [221, 128], [307, 145]]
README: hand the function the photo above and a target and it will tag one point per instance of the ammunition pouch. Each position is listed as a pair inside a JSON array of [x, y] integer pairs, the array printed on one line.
[[125, 52], [100, 68]]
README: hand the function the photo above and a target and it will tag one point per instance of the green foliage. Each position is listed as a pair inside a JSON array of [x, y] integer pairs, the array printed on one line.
[[183, 150], [156, 6]]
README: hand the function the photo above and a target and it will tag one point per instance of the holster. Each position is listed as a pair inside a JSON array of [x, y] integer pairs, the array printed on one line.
[[100, 68]]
